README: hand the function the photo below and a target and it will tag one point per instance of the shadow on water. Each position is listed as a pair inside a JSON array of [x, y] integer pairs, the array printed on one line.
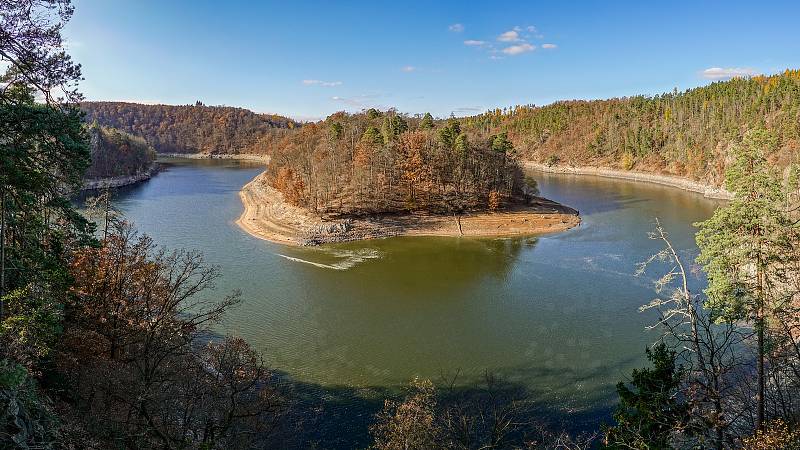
[[339, 417], [348, 325]]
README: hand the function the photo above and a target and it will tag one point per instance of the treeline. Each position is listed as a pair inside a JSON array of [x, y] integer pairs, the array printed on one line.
[[386, 162], [682, 133], [190, 128], [115, 153]]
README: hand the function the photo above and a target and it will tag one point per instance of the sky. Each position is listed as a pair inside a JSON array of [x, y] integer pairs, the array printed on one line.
[[309, 59]]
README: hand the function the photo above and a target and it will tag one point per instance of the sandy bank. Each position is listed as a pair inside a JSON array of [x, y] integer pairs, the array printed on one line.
[[667, 180], [267, 216]]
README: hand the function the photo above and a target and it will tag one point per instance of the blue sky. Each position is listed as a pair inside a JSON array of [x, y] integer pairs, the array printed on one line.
[[310, 59]]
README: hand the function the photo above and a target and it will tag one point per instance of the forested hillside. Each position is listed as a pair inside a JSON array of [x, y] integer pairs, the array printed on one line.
[[383, 162], [117, 154], [190, 128], [681, 133]]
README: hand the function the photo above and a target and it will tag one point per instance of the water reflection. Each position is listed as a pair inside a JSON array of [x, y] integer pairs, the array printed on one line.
[[556, 315]]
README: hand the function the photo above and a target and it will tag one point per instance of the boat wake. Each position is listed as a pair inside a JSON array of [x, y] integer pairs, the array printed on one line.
[[347, 258]]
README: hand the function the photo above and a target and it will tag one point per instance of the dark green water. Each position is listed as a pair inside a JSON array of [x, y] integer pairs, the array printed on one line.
[[557, 315]]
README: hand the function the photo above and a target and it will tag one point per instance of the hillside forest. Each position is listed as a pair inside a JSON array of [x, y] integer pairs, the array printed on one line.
[[688, 134], [115, 153]]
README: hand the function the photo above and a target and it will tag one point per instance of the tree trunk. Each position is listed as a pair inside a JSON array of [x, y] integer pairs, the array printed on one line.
[[2, 251], [761, 381]]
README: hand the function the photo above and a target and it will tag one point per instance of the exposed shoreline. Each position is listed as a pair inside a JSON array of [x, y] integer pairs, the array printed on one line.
[[242, 157], [666, 180], [114, 182], [267, 216]]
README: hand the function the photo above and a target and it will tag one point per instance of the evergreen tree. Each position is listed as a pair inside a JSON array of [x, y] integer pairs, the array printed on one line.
[[427, 122], [747, 247], [649, 410]]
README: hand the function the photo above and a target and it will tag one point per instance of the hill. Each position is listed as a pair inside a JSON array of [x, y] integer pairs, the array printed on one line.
[[117, 154], [679, 133], [386, 162], [191, 128]]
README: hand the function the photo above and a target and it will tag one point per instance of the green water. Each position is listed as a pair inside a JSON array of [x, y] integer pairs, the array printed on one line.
[[557, 315]]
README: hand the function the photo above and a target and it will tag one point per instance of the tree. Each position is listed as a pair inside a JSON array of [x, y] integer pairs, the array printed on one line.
[[393, 126], [31, 43], [411, 424], [501, 144], [43, 154], [649, 410], [748, 249], [427, 122], [707, 346], [134, 351]]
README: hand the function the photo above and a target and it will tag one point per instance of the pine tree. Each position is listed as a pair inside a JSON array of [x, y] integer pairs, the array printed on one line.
[[649, 410], [747, 247]]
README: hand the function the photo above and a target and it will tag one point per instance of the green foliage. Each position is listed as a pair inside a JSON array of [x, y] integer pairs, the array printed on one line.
[[26, 418], [393, 127], [461, 145], [649, 410], [449, 133], [683, 133], [373, 114], [43, 156], [31, 324], [372, 136], [336, 130], [501, 144], [752, 232], [427, 122]]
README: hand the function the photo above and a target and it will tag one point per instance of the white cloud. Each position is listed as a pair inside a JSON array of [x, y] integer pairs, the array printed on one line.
[[474, 43], [719, 73], [456, 28], [358, 101], [467, 110], [509, 36], [549, 46], [322, 83], [531, 29], [408, 69], [519, 49]]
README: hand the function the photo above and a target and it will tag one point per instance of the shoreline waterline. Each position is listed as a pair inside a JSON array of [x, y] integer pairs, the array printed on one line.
[[707, 190], [267, 216]]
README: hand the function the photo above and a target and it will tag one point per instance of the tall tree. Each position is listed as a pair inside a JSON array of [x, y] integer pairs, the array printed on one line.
[[748, 248]]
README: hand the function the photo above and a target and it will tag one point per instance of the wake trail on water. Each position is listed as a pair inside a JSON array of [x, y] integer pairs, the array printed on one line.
[[349, 258]]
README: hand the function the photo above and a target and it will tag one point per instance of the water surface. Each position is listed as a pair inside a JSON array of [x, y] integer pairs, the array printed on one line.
[[556, 314]]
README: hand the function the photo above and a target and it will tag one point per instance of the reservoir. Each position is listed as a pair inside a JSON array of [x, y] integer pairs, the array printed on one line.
[[556, 315]]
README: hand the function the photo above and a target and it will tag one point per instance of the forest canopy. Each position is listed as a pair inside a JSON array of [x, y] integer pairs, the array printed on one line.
[[116, 153], [190, 128], [686, 133], [386, 162]]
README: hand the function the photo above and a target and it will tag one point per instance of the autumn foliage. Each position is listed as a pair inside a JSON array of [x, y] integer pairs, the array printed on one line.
[[386, 162]]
